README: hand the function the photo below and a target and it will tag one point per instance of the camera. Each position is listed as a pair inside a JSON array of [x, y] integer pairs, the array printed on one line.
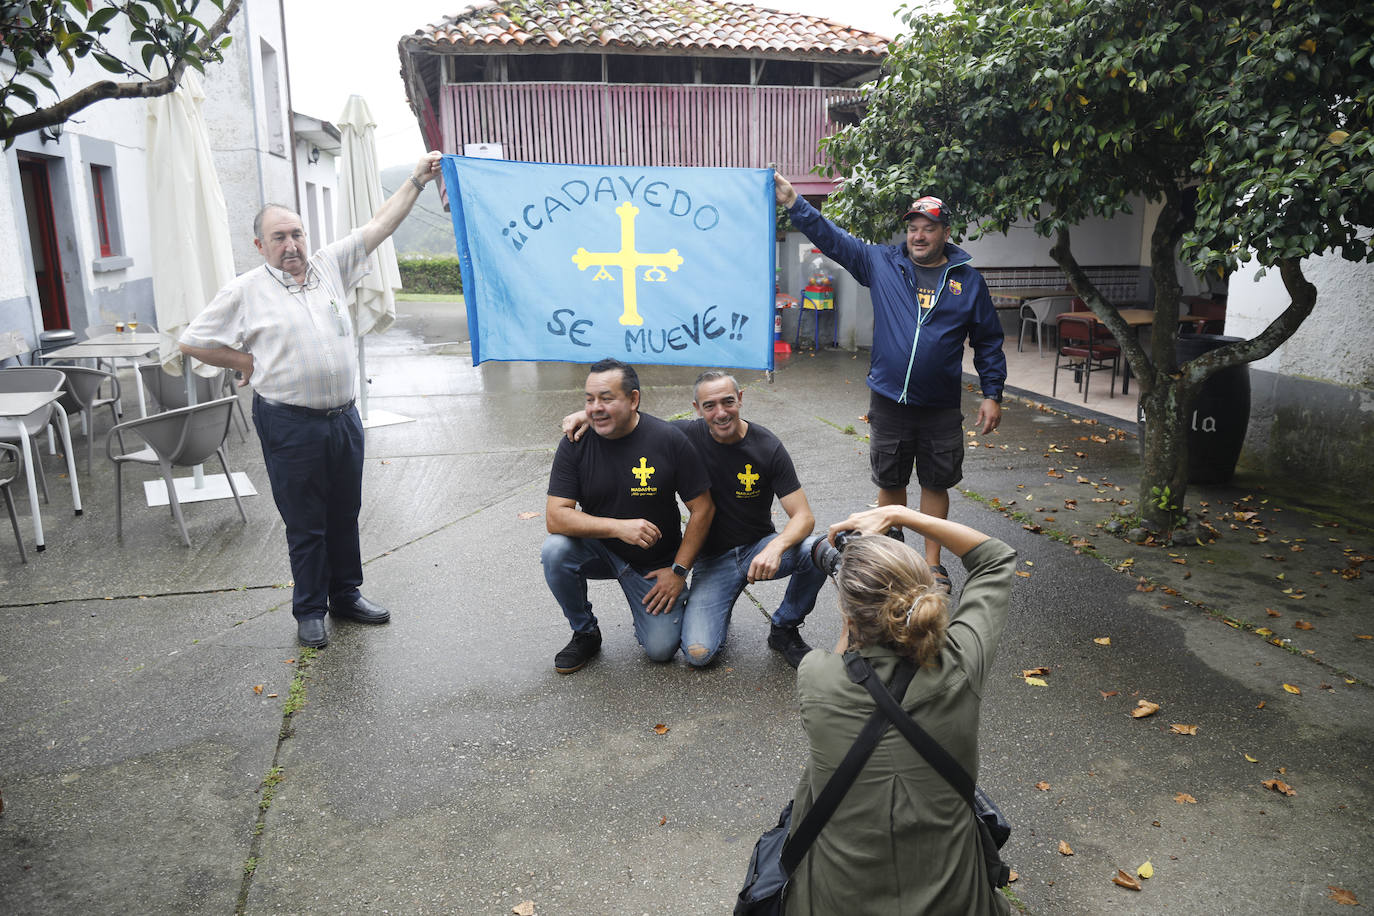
[[826, 557]]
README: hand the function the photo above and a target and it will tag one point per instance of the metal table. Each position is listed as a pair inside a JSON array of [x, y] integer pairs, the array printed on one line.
[[113, 346], [16, 405]]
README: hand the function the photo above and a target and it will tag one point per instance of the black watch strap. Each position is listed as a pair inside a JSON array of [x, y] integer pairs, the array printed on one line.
[[680, 570]]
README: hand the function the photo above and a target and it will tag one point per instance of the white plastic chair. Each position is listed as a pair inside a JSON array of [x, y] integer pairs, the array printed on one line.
[[184, 437], [170, 390], [1039, 315], [82, 395], [20, 431], [9, 497]]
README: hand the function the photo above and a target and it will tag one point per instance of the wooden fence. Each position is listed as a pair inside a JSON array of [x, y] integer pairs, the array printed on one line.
[[660, 125]]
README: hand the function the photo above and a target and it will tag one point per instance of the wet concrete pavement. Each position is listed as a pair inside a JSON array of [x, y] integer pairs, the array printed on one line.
[[439, 765]]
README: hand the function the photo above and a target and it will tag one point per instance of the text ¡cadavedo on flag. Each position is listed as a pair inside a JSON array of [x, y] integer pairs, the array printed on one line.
[[670, 266]]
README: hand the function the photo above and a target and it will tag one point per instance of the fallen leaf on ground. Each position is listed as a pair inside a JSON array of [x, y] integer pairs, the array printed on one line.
[[1278, 785], [1037, 682], [1252, 759], [523, 908], [1011, 877], [1023, 574], [1303, 625], [1106, 694], [1065, 849], [257, 688], [663, 820], [1144, 708], [1364, 635], [1342, 896], [1146, 871], [661, 729], [1183, 729], [1264, 631], [1103, 640], [1042, 786], [1032, 672], [1259, 705], [1272, 613], [1054, 473], [525, 515], [1124, 880], [1291, 689], [1183, 798], [271, 696]]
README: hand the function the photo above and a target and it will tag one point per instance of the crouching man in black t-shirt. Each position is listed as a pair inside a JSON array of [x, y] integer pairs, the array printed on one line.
[[612, 514], [748, 466]]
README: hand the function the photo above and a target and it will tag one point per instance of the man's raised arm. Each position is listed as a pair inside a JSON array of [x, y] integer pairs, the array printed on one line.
[[398, 206]]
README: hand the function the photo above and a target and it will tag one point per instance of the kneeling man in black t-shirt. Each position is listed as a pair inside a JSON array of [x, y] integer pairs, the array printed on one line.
[[612, 514], [748, 467]]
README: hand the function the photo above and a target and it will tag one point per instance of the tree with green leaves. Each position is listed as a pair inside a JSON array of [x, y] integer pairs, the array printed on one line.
[[126, 38], [1249, 123]]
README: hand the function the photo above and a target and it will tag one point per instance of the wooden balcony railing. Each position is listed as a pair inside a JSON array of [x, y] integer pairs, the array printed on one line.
[[659, 125]]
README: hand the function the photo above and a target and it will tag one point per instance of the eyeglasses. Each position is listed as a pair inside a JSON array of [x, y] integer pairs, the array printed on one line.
[[312, 281]]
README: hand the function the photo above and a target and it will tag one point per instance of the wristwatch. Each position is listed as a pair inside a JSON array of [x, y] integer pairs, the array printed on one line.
[[680, 570]]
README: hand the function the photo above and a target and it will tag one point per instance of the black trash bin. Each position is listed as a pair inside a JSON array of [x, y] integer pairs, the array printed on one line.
[[1219, 417], [56, 338]]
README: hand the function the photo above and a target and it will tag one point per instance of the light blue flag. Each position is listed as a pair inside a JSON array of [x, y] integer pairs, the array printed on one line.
[[672, 266]]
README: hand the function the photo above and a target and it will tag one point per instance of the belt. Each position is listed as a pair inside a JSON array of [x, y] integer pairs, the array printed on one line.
[[308, 411]]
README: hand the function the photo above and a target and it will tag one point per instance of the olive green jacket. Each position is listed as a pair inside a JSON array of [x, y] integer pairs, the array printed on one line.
[[902, 841]]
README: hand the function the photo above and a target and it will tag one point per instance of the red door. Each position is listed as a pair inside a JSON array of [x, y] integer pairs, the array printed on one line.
[[47, 262]]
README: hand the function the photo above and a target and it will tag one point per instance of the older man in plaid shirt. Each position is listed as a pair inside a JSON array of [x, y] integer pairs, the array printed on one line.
[[285, 327]]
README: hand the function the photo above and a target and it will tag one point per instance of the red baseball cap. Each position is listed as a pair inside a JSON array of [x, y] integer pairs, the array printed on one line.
[[930, 207]]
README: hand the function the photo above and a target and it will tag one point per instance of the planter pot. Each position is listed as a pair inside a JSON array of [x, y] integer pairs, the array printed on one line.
[[1219, 417]]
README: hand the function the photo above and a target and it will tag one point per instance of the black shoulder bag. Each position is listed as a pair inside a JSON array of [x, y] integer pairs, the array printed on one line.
[[775, 856], [993, 828]]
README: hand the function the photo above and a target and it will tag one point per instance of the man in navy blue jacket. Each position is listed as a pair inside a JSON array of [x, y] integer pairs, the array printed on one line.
[[926, 301]]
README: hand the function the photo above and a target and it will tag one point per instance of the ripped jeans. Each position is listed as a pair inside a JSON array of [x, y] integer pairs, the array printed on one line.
[[717, 581]]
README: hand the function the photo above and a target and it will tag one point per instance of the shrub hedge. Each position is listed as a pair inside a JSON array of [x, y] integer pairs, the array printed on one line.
[[431, 275]]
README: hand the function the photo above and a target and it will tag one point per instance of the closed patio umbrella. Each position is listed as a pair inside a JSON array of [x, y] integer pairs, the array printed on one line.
[[192, 257], [373, 303], [188, 228]]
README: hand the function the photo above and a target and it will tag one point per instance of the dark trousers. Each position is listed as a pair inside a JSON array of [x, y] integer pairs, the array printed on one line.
[[315, 464]]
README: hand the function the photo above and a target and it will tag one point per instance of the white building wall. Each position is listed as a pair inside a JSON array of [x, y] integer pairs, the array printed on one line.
[[101, 291], [319, 180], [250, 173], [1336, 342]]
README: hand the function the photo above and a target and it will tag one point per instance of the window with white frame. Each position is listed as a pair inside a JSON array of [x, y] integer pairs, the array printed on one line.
[[107, 228]]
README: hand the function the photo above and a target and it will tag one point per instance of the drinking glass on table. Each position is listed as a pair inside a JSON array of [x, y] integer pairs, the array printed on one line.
[[119, 327], [133, 324]]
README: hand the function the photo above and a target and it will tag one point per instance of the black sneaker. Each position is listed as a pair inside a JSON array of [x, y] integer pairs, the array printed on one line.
[[789, 642], [941, 577], [582, 649]]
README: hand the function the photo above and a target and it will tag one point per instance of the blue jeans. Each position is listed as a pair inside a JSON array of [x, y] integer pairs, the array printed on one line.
[[717, 581], [570, 562]]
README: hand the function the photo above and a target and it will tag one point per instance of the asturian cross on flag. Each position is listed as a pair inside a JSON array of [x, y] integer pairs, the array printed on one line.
[[573, 263]]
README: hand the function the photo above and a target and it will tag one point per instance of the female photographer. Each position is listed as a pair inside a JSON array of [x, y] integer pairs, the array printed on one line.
[[902, 840]]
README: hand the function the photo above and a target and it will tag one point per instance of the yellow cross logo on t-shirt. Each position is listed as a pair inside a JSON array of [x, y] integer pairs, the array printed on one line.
[[643, 472], [748, 478]]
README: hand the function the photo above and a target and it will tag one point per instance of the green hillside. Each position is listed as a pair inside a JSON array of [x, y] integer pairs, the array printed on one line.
[[428, 230]]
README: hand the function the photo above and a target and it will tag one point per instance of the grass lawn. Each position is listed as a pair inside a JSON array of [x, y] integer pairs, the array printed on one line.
[[429, 297]]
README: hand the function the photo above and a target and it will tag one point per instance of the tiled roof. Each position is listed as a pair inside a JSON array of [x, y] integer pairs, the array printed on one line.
[[648, 25]]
